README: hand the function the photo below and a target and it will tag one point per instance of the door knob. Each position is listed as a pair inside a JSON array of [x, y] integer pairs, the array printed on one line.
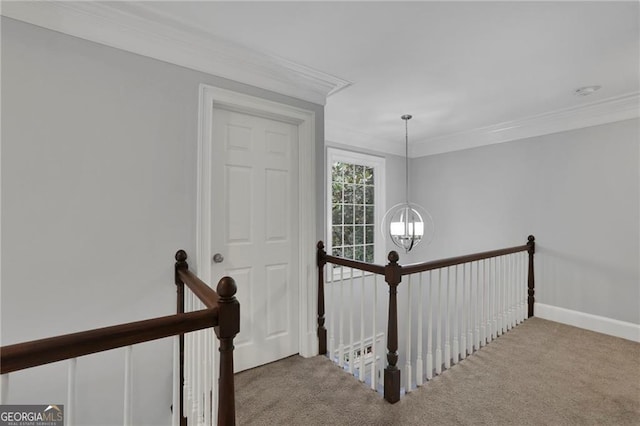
[[218, 258]]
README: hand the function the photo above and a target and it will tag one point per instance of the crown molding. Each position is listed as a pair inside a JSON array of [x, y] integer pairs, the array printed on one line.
[[340, 134], [605, 111], [138, 28]]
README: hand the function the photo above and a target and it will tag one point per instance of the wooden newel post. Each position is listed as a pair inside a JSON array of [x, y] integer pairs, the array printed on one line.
[[391, 372], [181, 264], [531, 280], [322, 331], [228, 327]]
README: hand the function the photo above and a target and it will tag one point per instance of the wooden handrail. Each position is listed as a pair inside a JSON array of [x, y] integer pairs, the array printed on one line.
[[355, 264], [44, 351], [425, 266], [458, 260], [205, 293]]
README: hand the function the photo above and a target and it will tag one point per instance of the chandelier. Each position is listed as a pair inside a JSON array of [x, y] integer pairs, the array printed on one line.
[[407, 224]]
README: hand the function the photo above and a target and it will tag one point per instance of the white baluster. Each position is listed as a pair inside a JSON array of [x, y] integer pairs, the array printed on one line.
[[332, 313], [447, 322], [341, 314], [513, 283], [474, 308], [352, 343], [374, 348], [499, 294], [195, 376], [524, 286], [469, 326], [4, 389], [505, 300], [489, 325], [505, 274], [201, 376], [478, 304], [70, 409], [188, 347], [407, 356], [503, 325], [215, 362], [509, 285], [439, 325], [463, 314], [361, 370], [470, 312], [208, 382], [507, 290], [128, 386], [516, 284], [507, 293], [491, 301], [419, 362], [175, 401], [483, 305], [518, 287], [429, 327], [456, 314], [494, 298]]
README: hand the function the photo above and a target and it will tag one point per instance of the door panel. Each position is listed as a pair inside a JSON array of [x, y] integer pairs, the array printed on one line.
[[254, 226]]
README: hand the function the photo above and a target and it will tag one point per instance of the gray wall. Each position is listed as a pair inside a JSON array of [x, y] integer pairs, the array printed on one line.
[[98, 192], [576, 191]]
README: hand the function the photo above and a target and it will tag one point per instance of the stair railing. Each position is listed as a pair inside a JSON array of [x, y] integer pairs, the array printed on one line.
[[222, 312], [197, 350], [470, 301]]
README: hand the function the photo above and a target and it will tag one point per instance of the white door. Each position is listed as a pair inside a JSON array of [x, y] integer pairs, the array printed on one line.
[[255, 229]]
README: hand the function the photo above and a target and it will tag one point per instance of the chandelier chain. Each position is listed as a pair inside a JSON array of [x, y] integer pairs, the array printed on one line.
[[406, 119]]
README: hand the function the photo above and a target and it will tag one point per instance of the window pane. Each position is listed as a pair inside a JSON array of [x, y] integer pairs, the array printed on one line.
[[369, 190], [348, 214], [359, 235], [359, 253], [337, 251], [337, 214], [348, 235], [359, 175], [336, 192], [369, 234], [368, 175], [337, 172], [369, 253], [348, 173], [348, 194], [358, 196], [368, 215], [336, 239], [348, 252], [358, 214]]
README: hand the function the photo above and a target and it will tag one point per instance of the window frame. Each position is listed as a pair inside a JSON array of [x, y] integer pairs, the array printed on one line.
[[377, 163]]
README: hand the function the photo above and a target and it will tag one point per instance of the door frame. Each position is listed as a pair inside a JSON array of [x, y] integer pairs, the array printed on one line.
[[211, 97]]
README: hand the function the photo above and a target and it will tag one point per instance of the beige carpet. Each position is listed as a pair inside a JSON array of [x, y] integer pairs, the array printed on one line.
[[540, 373]]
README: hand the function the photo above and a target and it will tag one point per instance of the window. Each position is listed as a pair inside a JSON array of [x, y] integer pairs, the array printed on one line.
[[355, 201]]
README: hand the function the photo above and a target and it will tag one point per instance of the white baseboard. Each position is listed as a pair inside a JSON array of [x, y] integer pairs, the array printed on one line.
[[612, 327]]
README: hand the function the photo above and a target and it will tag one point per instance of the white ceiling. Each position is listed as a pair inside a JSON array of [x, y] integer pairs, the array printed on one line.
[[470, 73]]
